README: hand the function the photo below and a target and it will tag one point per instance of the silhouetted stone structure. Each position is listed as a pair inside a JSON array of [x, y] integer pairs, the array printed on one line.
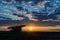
[[16, 28]]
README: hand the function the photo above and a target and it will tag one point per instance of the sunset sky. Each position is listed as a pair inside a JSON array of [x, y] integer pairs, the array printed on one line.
[[34, 10], [38, 12]]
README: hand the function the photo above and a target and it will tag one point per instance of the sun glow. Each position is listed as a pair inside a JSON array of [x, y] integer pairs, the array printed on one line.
[[31, 28], [28, 28], [34, 28]]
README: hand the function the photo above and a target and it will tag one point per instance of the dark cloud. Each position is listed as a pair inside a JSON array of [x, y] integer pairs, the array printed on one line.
[[30, 13]]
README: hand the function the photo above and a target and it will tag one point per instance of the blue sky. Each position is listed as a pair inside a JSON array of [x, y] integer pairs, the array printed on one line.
[[35, 10]]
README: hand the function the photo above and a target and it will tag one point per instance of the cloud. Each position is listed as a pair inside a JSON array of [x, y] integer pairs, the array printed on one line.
[[31, 17], [5, 1], [58, 16], [51, 20], [30, 10], [12, 17]]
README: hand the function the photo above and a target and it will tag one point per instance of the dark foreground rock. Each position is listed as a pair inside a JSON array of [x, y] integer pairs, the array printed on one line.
[[29, 36]]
